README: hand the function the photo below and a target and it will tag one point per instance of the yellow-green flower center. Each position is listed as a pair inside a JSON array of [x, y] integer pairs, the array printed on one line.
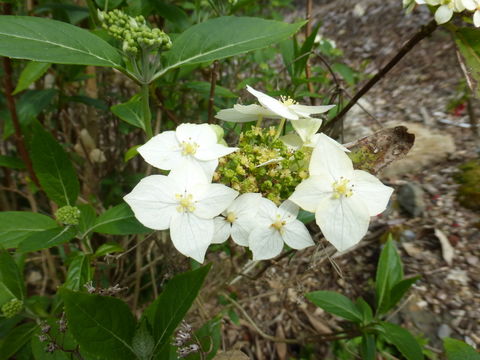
[[287, 101], [189, 148], [185, 203], [279, 224], [341, 188], [231, 217]]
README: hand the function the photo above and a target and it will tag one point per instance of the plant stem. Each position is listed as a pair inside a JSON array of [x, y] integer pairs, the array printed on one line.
[[147, 115], [280, 128], [211, 99], [424, 31]]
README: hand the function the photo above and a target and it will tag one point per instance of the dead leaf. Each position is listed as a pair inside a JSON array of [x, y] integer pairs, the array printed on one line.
[[372, 153], [231, 355], [411, 249], [447, 248]]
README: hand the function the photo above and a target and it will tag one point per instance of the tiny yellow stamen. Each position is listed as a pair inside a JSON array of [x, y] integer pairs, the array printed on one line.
[[341, 188], [189, 148], [278, 225], [231, 217], [287, 101], [185, 203]]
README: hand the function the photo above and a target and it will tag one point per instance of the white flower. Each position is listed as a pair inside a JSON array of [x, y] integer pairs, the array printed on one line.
[[238, 220], [473, 5], [245, 113], [189, 143], [343, 199], [446, 9], [185, 202], [276, 226]]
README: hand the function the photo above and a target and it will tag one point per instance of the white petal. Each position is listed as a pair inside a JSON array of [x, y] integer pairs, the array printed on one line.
[[265, 243], [310, 192], [469, 4], [297, 236], [306, 110], [202, 134], [233, 115], [267, 212], [162, 151], [241, 230], [443, 14], [222, 230], [213, 152], [458, 5], [306, 127], [293, 141], [189, 176], [208, 167], [214, 200], [191, 235], [371, 191], [153, 201], [336, 143], [257, 110], [327, 157], [272, 104], [476, 18], [343, 221], [288, 210], [246, 205]]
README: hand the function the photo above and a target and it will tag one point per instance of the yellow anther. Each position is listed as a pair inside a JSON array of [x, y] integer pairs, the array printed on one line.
[[287, 101], [341, 188], [279, 224], [189, 148], [231, 217], [185, 203]]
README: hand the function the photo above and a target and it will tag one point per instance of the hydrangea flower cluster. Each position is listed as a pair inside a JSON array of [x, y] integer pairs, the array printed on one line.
[[446, 8], [253, 192]]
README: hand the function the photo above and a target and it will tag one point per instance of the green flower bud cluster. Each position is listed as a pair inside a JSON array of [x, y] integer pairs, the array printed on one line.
[[12, 308], [133, 32], [263, 164], [68, 215]]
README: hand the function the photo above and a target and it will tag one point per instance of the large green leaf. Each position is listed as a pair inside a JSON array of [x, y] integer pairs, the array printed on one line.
[[336, 303], [11, 162], [47, 239], [224, 37], [166, 312], [53, 167], [130, 111], [458, 350], [10, 275], [45, 40], [403, 340], [79, 272], [31, 73], [15, 226], [102, 325], [119, 220], [468, 43], [14, 341], [389, 273]]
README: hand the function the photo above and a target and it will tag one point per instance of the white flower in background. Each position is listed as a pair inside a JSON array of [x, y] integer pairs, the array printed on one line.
[[276, 226], [185, 202], [473, 5], [189, 143], [238, 220], [446, 9], [245, 113], [286, 107], [343, 199]]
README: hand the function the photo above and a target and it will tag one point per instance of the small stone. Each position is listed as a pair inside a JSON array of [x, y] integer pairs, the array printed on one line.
[[472, 260], [410, 197], [444, 331], [408, 235]]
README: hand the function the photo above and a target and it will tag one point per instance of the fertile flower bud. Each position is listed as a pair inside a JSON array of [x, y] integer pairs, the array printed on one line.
[[68, 215], [12, 308]]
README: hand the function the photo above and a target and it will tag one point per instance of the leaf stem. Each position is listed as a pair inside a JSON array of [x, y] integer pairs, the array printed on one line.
[[147, 115], [280, 129]]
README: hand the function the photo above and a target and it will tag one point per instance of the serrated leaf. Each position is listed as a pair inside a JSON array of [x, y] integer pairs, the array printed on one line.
[[224, 37], [10, 275], [15, 226], [336, 304], [46, 40], [403, 340], [119, 220], [47, 239], [130, 111], [31, 73], [458, 350], [102, 325], [53, 167]]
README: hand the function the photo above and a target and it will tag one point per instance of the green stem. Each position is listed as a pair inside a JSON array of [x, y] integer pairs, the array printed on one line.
[[280, 128], [259, 121], [147, 115], [93, 13]]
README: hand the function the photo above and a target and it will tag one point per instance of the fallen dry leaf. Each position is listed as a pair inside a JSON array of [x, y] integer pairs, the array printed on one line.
[[447, 248]]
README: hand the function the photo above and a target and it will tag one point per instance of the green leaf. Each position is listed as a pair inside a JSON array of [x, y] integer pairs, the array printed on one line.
[[130, 111], [108, 248], [336, 303], [368, 347], [16, 339], [173, 14], [87, 219], [119, 220], [131, 153], [302, 57], [31, 73], [11, 162], [458, 350], [47, 239], [224, 37], [166, 312], [203, 88], [15, 226], [79, 272], [346, 72], [468, 43], [10, 275], [102, 325], [403, 340], [53, 167], [45, 40], [399, 291], [365, 309], [305, 216], [389, 272]]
